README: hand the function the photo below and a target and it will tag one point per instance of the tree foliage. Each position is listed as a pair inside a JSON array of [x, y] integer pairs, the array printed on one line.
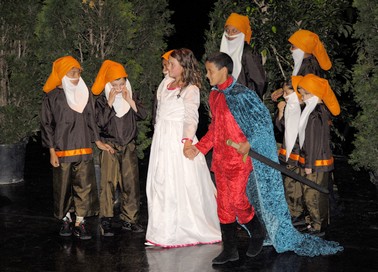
[[129, 32], [273, 22], [365, 86], [19, 97]]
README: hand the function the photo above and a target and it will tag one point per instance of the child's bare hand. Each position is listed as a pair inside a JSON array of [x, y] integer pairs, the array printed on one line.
[[243, 148], [277, 94], [190, 151], [126, 94], [281, 106], [54, 160], [104, 147], [112, 94]]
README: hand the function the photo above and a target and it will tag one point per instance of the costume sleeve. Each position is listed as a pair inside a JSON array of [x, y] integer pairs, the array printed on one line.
[[280, 123], [91, 120], [254, 71], [103, 112], [206, 143], [47, 124], [141, 114], [191, 105], [313, 139]]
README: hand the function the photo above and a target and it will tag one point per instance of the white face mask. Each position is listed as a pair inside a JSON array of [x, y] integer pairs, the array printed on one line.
[[298, 56], [233, 48], [120, 105], [76, 95]]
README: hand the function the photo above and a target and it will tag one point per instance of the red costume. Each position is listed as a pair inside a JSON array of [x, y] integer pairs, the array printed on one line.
[[231, 173]]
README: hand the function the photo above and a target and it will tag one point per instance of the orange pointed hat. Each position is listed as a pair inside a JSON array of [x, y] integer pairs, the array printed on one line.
[[167, 54], [60, 68], [109, 71], [242, 24], [319, 87], [310, 43]]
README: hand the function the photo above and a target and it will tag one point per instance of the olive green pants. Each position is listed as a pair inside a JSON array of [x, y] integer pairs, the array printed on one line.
[[120, 169], [317, 203], [74, 185], [293, 193]]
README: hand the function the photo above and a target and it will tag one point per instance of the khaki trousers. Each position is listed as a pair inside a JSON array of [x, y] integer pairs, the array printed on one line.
[[317, 203], [293, 193], [120, 169], [74, 185]]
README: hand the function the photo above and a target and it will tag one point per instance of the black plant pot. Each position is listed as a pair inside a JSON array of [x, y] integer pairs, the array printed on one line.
[[12, 162]]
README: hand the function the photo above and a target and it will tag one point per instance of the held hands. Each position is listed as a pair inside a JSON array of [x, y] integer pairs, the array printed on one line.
[[104, 147], [190, 151]]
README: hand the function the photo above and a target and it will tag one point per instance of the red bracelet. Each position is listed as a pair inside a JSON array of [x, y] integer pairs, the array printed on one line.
[[186, 139]]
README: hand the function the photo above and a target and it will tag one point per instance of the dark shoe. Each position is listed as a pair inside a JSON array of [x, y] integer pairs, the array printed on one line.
[[298, 221], [230, 250], [106, 227], [134, 227], [66, 228], [310, 230], [81, 231], [257, 233]]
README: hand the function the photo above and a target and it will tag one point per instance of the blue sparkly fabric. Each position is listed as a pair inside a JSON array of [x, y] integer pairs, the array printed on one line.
[[265, 186]]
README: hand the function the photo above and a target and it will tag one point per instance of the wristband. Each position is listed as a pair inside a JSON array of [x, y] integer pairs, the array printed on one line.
[[186, 139]]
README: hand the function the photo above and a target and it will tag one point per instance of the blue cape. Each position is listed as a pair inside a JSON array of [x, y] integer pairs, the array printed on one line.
[[265, 186]]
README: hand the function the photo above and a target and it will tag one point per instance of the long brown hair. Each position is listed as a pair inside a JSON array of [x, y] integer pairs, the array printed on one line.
[[191, 72]]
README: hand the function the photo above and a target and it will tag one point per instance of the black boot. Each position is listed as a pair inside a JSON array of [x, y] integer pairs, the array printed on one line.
[[230, 249], [258, 234]]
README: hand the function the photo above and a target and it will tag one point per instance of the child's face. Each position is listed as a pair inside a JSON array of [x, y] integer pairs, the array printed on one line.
[[231, 31], [175, 70], [74, 75], [164, 63], [305, 94], [216, 76], [118, 84]]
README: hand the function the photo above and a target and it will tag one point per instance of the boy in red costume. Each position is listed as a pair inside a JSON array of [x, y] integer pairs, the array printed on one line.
[[231, 171]]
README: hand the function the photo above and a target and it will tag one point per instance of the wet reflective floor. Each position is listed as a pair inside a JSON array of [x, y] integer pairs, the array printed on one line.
[[29, 239]]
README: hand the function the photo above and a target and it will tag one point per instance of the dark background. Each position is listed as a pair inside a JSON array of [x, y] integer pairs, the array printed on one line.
[[190, 19]]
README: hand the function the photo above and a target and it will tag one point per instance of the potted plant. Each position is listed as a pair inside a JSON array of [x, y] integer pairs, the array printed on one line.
[[19, 99]]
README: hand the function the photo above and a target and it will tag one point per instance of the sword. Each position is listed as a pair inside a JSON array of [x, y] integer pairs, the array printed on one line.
[[252, 153]]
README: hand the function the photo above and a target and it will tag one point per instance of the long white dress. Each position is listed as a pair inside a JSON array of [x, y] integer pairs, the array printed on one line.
[[181, 196]]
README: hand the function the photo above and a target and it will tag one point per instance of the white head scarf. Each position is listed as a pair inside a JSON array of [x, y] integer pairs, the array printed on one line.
[[76, 95], [120, 105], [234, 48]]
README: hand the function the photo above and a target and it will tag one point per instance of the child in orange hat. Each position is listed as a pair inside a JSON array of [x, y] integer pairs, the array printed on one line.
[[248, 69], [309, 56], [68, 128], [117, 111], [315, 156]]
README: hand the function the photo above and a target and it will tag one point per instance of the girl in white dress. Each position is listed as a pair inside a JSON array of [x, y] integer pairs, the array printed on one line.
[[181, 196]]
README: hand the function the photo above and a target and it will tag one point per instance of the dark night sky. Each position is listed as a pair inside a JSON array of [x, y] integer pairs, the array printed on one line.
[[190, 18]]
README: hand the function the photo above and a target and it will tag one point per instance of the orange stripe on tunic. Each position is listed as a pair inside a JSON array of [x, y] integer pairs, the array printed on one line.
[[74, 152]]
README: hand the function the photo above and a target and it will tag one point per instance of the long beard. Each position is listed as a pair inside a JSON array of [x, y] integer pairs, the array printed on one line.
[[77, 95]]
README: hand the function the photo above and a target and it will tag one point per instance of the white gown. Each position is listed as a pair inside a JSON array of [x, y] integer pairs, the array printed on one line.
[[181, 196]]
